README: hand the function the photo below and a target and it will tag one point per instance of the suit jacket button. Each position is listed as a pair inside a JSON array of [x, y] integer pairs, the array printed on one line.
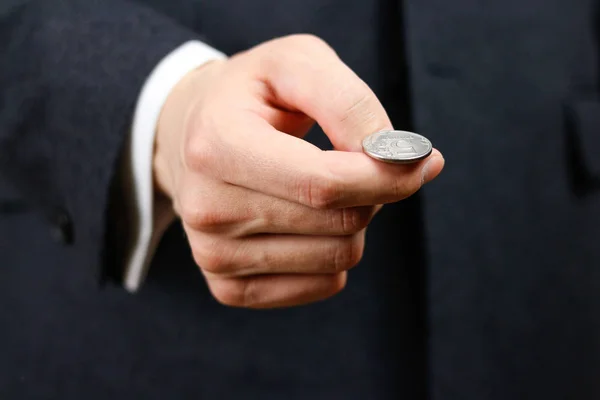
[[62, 227]]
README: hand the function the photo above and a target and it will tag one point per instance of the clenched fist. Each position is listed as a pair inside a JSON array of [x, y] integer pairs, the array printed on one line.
[[271, 219]]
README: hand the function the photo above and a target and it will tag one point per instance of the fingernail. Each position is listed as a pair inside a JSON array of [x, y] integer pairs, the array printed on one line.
[[431, 169]]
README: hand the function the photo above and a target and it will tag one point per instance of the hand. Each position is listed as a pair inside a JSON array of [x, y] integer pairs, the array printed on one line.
[[271, 219]]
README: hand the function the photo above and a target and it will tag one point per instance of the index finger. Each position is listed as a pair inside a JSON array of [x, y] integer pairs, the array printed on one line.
[[261, 158]]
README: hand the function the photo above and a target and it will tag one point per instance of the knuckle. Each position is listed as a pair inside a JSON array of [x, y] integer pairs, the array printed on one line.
[[213, 257], [207, 216], [325, 195], [197, 152], [198, 216], [360, 109], [348, 253], [320, 192], [353, 220], [357, 249], [234, 293], [227, 297], [201, 218], [403, 188], [339, 282], [188, 209]]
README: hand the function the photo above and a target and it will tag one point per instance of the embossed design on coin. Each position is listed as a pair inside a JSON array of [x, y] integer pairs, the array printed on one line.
[[400, 147]]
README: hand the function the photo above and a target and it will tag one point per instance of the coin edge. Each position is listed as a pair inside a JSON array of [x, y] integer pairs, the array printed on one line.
[[396, 161]]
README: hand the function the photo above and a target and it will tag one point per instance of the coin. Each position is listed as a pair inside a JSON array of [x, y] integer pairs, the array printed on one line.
[[398, 147]]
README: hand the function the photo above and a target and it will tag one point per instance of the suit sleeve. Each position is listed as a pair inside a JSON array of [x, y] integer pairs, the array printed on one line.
[[70, 76]]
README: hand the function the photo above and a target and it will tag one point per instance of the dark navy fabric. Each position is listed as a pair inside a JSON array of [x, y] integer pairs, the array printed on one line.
[[486, 285]]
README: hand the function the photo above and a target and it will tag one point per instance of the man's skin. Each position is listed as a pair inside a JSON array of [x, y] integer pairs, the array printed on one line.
[[272, 220]]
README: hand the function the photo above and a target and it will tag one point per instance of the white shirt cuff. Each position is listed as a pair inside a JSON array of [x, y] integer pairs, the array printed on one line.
[[153, 219]]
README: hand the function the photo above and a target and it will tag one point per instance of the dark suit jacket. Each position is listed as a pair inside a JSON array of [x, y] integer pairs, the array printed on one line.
[[486, 285]]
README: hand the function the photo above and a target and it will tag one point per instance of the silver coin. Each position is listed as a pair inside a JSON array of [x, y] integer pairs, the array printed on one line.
[[399, 147]]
